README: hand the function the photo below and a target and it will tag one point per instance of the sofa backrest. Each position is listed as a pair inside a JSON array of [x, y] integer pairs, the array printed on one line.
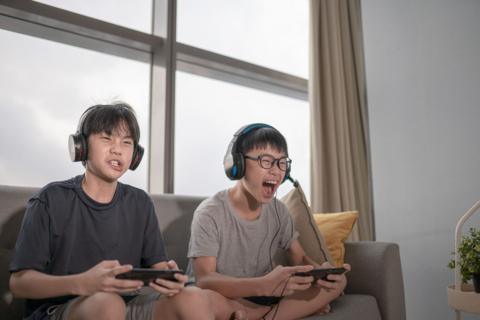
[[12, 208], [174, 214]]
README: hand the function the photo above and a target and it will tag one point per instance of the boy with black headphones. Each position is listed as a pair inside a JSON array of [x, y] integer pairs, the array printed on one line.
[[236, 233], [78, 235]]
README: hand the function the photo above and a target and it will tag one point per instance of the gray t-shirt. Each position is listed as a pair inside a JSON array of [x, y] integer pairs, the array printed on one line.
[[243, 248]]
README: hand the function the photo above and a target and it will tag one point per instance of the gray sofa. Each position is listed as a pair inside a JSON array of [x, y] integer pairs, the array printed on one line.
[[375, 284]]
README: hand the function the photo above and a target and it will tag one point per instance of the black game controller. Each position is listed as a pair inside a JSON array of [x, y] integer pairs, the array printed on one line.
[[149, 275], [321, 273]]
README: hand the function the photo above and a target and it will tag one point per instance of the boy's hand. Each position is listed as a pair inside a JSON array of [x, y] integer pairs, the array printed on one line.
[[335, 280], [167, 287], [281, 281], [101, 277]]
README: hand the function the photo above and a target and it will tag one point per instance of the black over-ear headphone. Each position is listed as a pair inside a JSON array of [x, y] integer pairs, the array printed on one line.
[[234, 160], [78, 145]]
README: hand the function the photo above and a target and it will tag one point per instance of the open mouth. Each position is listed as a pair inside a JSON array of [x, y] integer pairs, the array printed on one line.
[[270, 186], [115, 164]]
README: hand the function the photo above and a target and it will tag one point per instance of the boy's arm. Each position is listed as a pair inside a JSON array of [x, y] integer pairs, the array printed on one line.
[[36, 285], [33, 284], [297, 256], [277, 282], [230, 287]]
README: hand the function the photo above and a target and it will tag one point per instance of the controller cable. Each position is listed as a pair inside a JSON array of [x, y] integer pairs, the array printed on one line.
[[277, 306]]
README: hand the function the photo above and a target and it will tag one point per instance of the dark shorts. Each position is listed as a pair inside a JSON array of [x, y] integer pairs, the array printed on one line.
[[264, 300], [140, 307]]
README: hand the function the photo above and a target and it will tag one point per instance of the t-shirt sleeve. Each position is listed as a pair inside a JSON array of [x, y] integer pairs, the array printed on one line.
[[204, 239], [32, 249], [289, 233], [153, 250]]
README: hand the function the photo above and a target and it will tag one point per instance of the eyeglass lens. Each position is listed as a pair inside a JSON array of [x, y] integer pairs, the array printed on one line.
[[267, 162]]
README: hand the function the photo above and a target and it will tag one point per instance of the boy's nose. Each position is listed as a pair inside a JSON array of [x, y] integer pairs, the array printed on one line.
[[115, 149]]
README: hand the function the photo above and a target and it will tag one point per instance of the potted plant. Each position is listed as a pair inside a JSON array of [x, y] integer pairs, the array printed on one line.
[[469, 253]]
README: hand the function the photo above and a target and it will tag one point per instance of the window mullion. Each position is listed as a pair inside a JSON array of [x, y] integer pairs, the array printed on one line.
[[162, 99]]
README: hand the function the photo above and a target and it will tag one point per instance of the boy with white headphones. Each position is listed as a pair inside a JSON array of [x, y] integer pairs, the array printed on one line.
[[78, 235], [236, 233]]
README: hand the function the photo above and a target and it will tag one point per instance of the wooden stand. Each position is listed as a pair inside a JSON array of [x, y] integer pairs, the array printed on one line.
[[466, 300], [462, 297]]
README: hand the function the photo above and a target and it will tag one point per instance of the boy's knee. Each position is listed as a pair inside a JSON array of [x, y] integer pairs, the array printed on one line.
[[193, 296], [101, 305], [196, 303], [107, 298], [190, 303]]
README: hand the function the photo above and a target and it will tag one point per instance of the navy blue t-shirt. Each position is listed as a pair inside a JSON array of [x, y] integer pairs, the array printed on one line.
[[65, 232]]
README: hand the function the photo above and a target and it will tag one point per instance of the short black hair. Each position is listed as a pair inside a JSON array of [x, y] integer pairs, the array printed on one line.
[[261, 138], [108, 117]]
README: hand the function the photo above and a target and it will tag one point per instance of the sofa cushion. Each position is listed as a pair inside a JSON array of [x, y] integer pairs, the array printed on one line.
[[336, 228], [351, 306], [310, 236]]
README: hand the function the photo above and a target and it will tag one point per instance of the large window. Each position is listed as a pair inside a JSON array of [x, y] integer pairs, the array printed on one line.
[[45, 88], [193, 81], [209, 112]]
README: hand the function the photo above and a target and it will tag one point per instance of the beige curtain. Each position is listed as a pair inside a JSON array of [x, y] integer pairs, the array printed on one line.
[[340, 152]]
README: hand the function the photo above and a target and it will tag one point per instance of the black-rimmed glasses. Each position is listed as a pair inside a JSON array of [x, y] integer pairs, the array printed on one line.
[[267, 161]]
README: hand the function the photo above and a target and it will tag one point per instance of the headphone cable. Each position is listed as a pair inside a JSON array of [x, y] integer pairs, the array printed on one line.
[[276, 233]]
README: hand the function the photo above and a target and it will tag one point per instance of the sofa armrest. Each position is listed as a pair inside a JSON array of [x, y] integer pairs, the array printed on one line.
[[377, 271]]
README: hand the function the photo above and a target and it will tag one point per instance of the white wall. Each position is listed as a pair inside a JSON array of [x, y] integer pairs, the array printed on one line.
[[423, 80]]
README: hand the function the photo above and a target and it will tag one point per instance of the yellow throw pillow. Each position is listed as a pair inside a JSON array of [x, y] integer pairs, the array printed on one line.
[[335, 228]]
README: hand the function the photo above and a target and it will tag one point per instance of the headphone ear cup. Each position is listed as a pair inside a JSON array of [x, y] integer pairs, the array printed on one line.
[[137, 157], [77, 147], [228, 161], [238, 166], [234, 166]]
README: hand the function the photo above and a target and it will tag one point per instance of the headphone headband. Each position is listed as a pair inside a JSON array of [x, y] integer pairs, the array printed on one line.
[[243, 131], [84, 115]]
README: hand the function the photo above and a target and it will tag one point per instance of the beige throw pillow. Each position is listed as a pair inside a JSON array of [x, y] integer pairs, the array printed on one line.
[[309, 235]]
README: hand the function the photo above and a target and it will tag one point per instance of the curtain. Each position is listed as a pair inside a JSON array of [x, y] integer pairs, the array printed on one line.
[[341, 178]]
